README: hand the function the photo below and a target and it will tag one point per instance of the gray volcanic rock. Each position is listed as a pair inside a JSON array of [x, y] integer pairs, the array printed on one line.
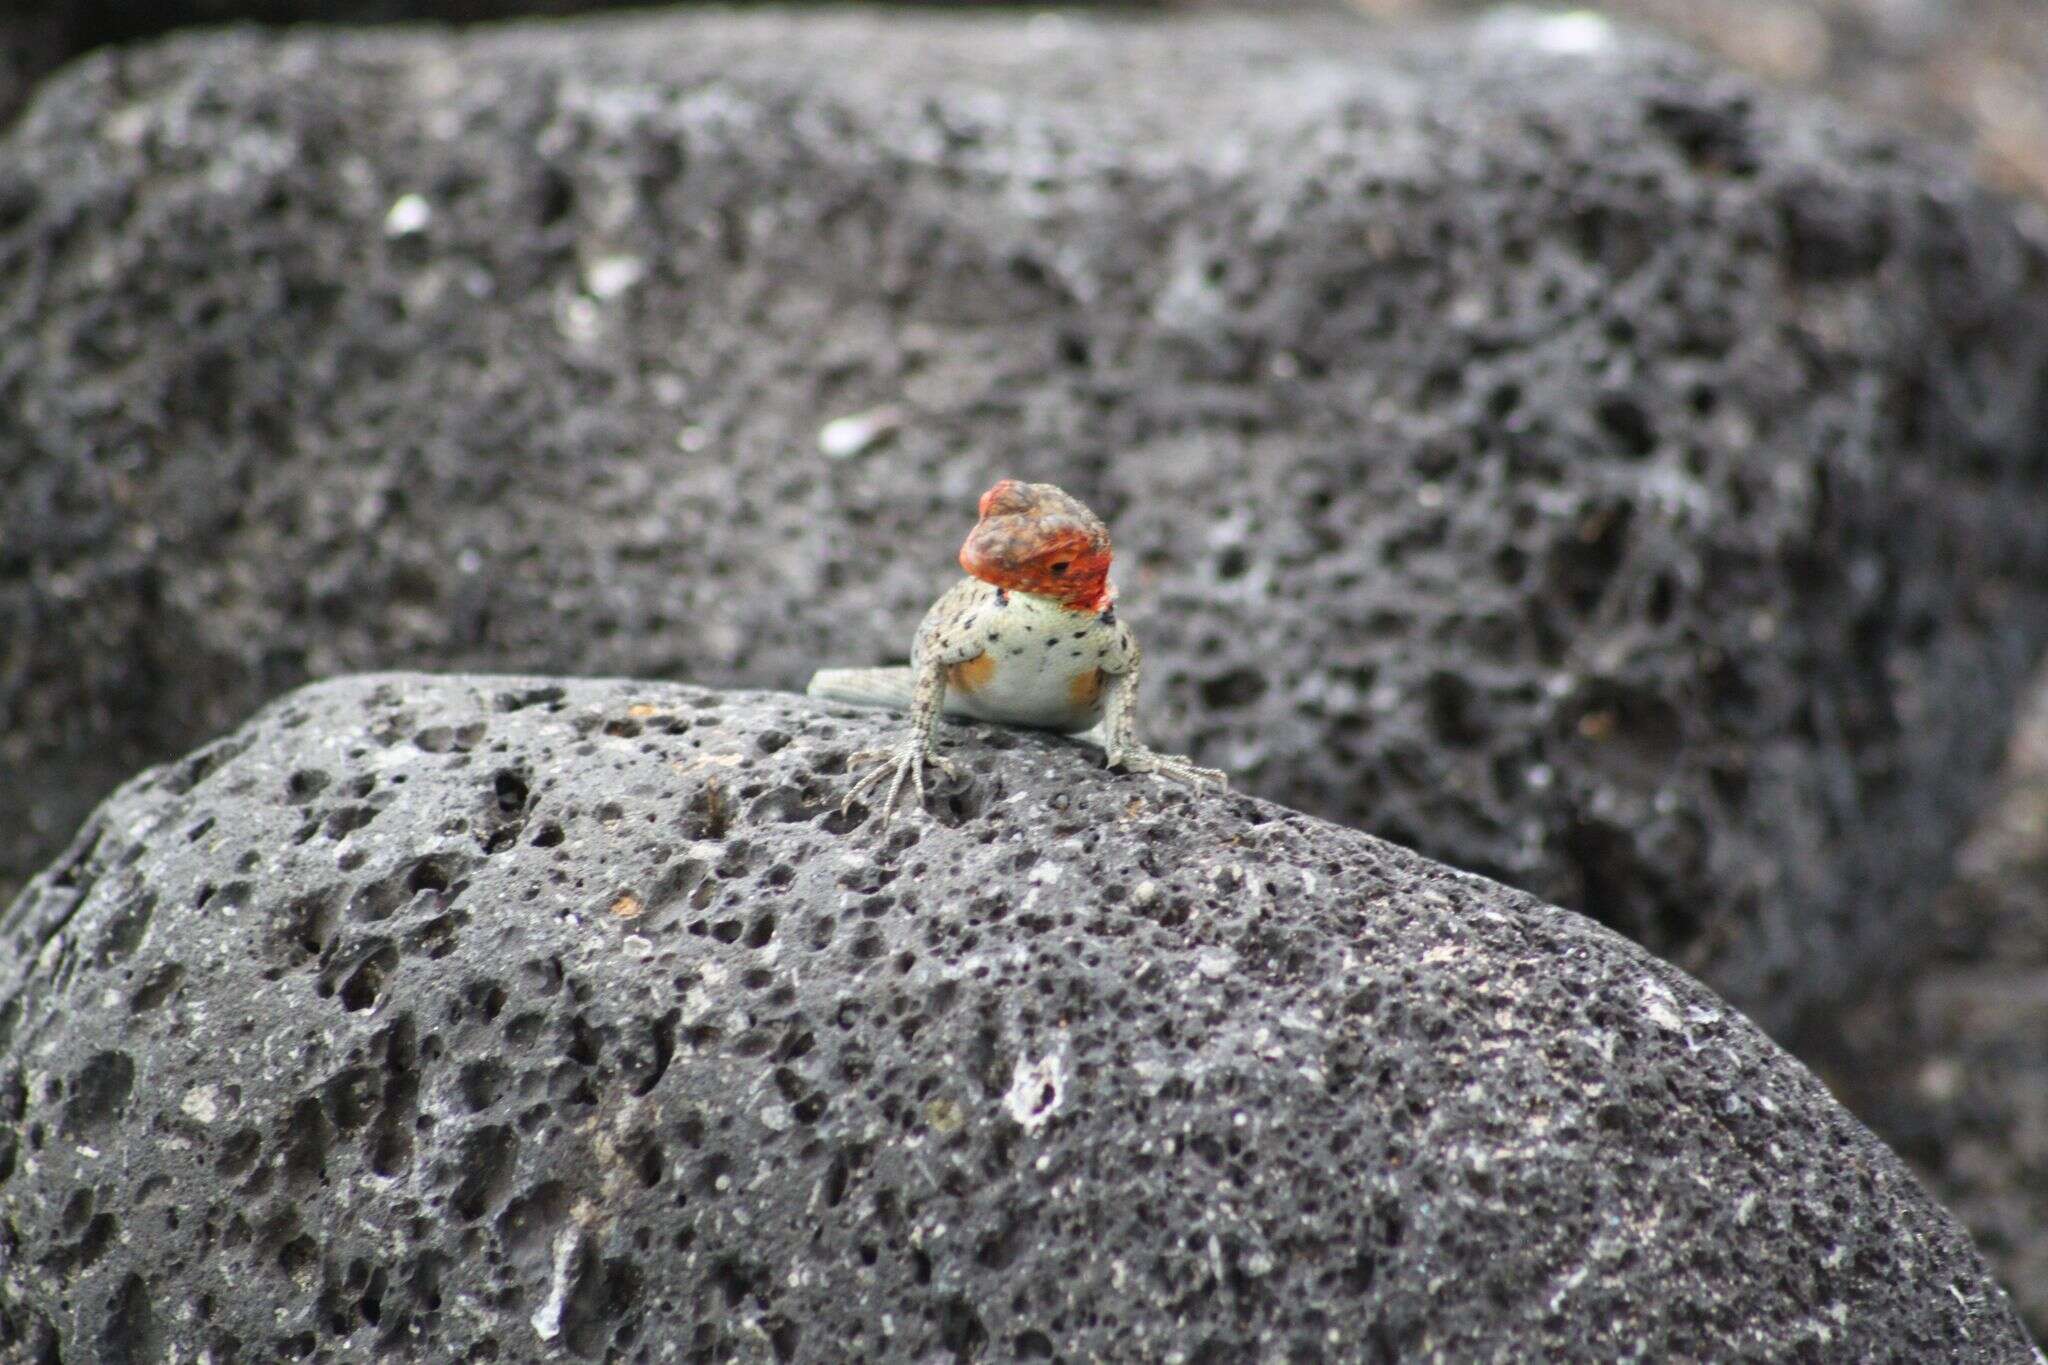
[[1580, 466], [56, 30], [1944, 1058], [470, 1017]]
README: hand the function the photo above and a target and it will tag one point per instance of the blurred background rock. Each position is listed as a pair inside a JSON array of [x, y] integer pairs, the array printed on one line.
[[1975, 71], [1946, 1059]]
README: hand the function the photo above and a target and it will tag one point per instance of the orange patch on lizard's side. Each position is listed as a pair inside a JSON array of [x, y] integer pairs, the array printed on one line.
[[1084, 688], [972, 674]]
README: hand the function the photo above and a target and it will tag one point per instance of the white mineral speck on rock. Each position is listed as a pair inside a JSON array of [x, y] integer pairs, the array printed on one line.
[[578, 320], [607, 277], [1036, 1090], [1661, 1007], [844, 437], [409, 214], [1574, 33], [202, 1103], [547, 1321]]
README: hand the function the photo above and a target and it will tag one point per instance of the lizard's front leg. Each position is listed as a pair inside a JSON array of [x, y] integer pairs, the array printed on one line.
[[1120, 738], [908, 759]]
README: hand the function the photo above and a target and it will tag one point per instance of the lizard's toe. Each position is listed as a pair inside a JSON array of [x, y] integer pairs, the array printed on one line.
[[1200, 777], [1178, 770], [865, 785], [1170, 766], [891, 766]]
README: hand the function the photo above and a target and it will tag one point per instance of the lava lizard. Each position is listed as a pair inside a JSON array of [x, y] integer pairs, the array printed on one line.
[[1030, 637]]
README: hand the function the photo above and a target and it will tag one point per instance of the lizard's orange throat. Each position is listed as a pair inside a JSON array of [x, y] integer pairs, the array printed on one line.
[[1034, 538], [1074, 575]]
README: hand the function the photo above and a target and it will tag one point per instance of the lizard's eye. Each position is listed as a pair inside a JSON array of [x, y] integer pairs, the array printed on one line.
[[1059, 570]]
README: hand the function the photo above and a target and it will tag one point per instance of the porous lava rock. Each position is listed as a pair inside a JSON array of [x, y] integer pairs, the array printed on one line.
[[1575, 464], [1944, 1058], [472, 1017], [49, 32]]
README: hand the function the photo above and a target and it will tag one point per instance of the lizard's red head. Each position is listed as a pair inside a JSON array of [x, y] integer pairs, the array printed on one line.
[[1032, 537]]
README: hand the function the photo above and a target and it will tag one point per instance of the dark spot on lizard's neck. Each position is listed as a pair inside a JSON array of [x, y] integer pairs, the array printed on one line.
[[1002, 598], [1108, 617]]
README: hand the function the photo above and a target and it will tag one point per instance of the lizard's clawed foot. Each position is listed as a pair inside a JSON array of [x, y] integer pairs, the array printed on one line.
[[895, 765], [1138, 759]]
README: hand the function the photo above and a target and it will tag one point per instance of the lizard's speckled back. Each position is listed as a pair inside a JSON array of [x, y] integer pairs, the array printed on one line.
[[1039, 663]]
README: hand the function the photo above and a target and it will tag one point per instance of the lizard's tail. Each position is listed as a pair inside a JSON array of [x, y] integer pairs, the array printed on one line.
[[889, 688]]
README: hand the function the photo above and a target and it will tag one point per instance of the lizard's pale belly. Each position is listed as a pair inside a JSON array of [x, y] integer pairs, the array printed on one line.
[[1026, 692], [1042, 667]]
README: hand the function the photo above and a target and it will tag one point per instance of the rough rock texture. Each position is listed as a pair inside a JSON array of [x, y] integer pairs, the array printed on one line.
[[1581, 467], [51, 32], [1942, 1055], [1974, 70], [54, 31], [448, 1016], [1945, 1057]]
